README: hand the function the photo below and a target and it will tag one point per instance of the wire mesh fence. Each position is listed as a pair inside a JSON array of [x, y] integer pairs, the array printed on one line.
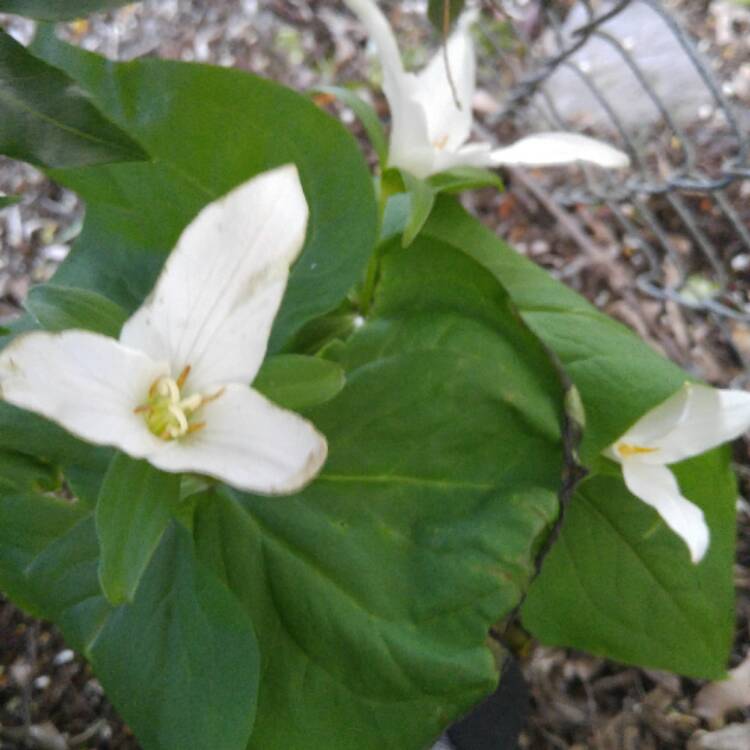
[[628, 70]]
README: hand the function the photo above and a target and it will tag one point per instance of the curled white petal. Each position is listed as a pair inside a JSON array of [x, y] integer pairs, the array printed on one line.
[[657, 486], [694, 420], [249, 443], [87, 383], [216, 299], [548, 149], [445, 88], [409, 146]]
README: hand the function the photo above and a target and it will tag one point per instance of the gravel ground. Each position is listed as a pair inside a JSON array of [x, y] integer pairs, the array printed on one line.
[[48, 698]]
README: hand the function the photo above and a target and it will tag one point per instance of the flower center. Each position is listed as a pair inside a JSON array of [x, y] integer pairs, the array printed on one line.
[[441, 142], [626, 450], [168, 415]]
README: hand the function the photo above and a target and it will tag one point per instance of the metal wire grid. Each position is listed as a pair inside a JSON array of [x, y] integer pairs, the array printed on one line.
[[650, 201]]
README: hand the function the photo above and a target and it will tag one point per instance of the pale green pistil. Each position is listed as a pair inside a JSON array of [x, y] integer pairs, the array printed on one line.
[[168, 415]]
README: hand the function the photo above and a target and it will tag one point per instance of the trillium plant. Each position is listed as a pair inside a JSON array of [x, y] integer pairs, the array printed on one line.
[[287, 450]]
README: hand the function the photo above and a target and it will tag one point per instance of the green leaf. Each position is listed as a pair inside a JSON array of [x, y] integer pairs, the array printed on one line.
[[297, 382], [61, 579], [459, 179], [29, 433], [26, 473], [135, 504], [620, 583], [243, 126], [28, 524], [443, 13], [58, 10], [47, 120], [181, 663], [619, 378], [58, 308], [372, 592], [609, 541], [421, 200], [366, 115], [8, 200]]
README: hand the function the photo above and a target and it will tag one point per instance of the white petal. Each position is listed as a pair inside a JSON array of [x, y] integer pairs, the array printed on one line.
[[379, 30], [215, 301], [447, 99], [470, 155], [409, 147], [657, 486], [249, 443], [87, 383], [696, 419], [548, 149]]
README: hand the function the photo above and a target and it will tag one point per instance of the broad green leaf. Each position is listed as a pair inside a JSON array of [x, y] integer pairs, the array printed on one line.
[[620, 584], [58, 10], [28, 524], [29, 433], [47, 120], [618, 377], [244, 125], [297, 382], [366, 115], [19, 472], [135, 505], [58, 308], [62, 580], [421, 200], [373, 590], [443, 13], [606, 542], [181, 663]]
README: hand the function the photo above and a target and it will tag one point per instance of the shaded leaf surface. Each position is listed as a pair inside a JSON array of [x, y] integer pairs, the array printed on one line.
[[47, 120], [135, 505], [181, 662], [58, 308], [298, 382]]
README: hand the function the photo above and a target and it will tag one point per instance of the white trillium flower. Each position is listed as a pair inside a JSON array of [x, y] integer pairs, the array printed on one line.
[[431, 111], [174, 389], [696, 419]]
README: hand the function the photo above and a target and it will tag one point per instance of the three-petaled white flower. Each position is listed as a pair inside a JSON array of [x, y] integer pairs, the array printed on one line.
[[692, 421], [431, 111], [174, 389]]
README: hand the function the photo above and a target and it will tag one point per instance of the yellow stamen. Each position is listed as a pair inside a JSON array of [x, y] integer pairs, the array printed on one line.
[[167, 414], [208, 399], [626, 450], [183, 376]]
